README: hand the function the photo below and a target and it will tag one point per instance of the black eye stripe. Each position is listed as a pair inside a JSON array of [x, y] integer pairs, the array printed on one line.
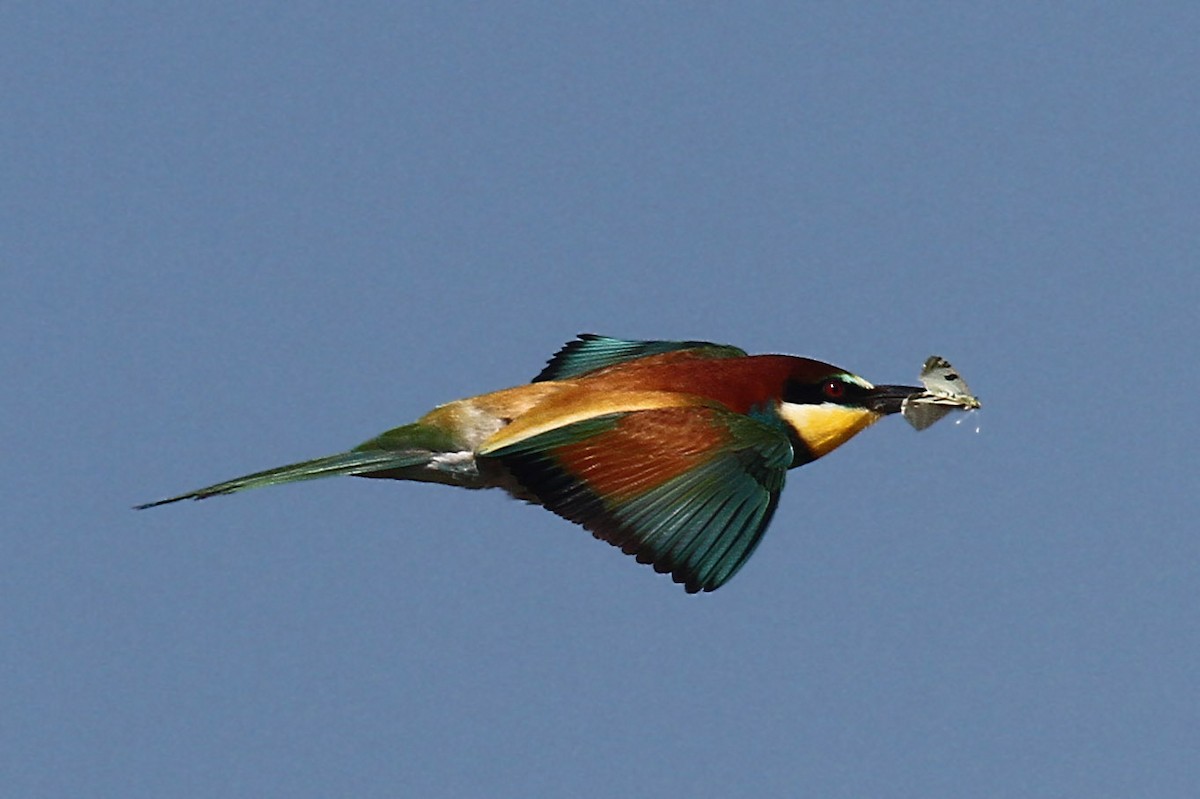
[[832, 389]]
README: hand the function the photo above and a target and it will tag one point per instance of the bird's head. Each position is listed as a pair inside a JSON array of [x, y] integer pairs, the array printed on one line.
[[825, 406]]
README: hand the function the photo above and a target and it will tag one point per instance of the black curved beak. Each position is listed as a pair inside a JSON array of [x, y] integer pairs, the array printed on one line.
[[890, 399]]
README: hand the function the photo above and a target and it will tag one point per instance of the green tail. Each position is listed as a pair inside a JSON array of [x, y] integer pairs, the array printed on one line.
[[353, 462]]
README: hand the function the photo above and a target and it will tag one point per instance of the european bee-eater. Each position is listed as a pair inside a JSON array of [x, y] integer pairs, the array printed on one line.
[[674, 451]]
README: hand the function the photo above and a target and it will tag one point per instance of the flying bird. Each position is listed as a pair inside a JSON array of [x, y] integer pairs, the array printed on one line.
[[674, 451]]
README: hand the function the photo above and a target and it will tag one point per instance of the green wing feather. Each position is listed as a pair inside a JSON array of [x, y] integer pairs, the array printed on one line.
[[590, 352], [693, 508]]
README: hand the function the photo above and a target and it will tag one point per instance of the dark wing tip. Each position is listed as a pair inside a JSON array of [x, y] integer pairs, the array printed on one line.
[[168, 501]]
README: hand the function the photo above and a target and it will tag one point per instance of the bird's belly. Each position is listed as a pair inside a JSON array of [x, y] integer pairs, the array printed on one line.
[[460, 469], [447, 468]]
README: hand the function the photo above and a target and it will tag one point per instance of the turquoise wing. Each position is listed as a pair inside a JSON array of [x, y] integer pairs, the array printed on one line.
[[590, 352], [689, 490]]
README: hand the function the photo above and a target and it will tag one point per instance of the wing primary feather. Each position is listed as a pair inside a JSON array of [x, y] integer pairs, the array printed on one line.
[[716, 538], [590, 352], [679, 529], [688, 490], [732, 552]]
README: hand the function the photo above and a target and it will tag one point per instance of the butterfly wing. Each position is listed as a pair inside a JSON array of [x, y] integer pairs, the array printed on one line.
[[945, 391]]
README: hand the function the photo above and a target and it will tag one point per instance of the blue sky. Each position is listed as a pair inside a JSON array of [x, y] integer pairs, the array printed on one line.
[[238, 235]]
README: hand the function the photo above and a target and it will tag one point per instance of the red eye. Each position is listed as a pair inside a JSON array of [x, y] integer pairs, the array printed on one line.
[[834, 389]]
